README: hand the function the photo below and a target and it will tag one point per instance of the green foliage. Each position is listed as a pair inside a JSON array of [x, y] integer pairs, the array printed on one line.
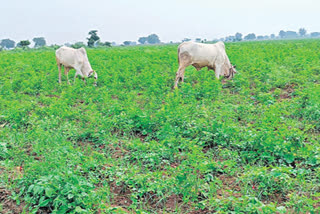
[[267, 183], [105, 44], [23, 43], [78, 45], [133, 144]]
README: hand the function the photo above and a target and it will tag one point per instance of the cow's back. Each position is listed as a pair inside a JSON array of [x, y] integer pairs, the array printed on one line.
[[203, 54], [70, 57]]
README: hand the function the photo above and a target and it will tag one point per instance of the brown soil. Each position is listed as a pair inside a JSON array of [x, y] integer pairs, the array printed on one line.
[[52, 95], [174, 165], [172, 202], [229, 183], [286, 93], [118, 153], [9, 205], [114, 97], [121, 195], [316, 205], [204, 211], [140, 135], [223, 81], [277, 198]]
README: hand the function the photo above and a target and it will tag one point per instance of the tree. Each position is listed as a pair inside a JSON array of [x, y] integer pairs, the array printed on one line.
[[230, 39], [103, 44], [260, 37], [39, 42], [55, 46], [93, 38], [142, 40], [126, 43], [107, 44], [198, 40], [315, 34], [272, 36], [291, 34], [282, 34], [238, 36], [153, 39], [302, 32], [186, 40], [78, 45], [250, 36], [24, 44], [7, 43], [288, 34]]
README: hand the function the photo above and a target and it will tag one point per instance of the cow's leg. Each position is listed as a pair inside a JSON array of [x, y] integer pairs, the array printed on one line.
[[179, 75], [75, 76], [59, 67], [182, 74], [66, 72], [217, 71], [78, 72]]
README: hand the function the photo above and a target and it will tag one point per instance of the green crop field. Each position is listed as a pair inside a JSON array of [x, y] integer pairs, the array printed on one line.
[[134, 145]]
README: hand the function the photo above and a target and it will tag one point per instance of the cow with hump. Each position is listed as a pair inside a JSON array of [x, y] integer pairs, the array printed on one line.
[[76, 59], [199, 55]]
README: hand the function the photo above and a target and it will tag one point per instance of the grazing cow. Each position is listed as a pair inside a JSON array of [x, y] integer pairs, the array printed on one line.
[[76, 59], [199, 55]]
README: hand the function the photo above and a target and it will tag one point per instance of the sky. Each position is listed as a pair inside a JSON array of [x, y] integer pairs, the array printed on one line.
[[69, 21]]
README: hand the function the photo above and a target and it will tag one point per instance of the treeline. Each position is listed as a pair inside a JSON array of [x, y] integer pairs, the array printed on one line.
[[9, 44], [302, 33], [94, 40]]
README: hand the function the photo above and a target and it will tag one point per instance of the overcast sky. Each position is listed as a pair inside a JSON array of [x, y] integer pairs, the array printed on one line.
[[61, 21]]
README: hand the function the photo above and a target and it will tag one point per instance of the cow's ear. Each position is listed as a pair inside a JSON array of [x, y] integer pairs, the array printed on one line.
[[234, 66]]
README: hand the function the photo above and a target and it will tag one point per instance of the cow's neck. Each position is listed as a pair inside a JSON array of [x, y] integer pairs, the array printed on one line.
[[226, 66], [86, 68]]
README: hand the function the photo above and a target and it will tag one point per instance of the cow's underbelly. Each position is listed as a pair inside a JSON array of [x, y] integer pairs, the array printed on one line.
[[198, 67], [198, 64]]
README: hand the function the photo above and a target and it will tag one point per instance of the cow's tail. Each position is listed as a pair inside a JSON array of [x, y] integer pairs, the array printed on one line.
[[179, 55]]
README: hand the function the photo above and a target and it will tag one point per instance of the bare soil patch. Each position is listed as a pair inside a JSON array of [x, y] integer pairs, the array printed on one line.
[[8, 204]]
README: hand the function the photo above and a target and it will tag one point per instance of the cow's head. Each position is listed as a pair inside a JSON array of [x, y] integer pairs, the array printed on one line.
[[90, 74], [231, 72], [95, 75]]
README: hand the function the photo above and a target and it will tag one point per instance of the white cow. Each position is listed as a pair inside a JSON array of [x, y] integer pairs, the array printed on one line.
[[199, 55], [76, 59]]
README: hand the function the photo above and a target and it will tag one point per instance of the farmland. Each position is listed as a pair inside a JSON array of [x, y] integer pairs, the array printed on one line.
[[134, 145]]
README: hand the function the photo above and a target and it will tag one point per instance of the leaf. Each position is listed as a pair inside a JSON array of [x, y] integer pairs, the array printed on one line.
[[37, 189], [30, 188], [44, 203], [49, 192], [70, 196], [79, 210]]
